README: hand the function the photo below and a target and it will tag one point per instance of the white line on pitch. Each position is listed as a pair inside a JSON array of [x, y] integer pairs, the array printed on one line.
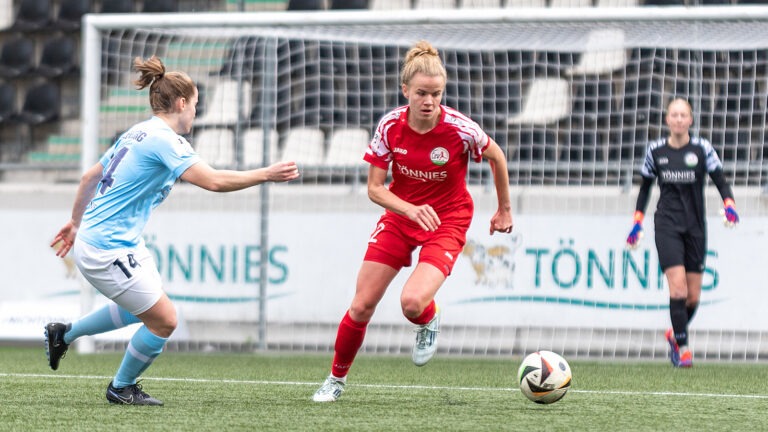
[[390, 386]]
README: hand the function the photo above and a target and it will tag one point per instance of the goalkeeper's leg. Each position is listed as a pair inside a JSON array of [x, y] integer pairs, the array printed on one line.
[[678, 290]]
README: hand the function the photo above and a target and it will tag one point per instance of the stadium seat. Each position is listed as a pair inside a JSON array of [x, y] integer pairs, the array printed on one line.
[[160, 6], [349, 4], [243, 59], [570, 3], [604, 53], [42, 105], [71, 13], [536, 143], [7, 103], [434, 4], [546, 101], [390, 4], [117, 6], [501, 98], [16, 56], [253, 147], [304, 146], [6, 14], [479, 4], [616, 3], [33, 15], [221, 103], [347, 147], [583, 145], [305, 5], [216, 146], [7, 111], [58, 57], [664, 2], [525, 3]]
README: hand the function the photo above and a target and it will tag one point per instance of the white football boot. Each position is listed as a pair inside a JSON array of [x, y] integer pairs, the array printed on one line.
[[426, 340], [331, 389]]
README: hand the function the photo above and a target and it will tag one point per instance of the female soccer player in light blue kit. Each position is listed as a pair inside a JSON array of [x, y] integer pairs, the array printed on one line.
[[114, 201]]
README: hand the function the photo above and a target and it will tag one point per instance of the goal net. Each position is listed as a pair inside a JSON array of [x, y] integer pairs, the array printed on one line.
[[571, 96]]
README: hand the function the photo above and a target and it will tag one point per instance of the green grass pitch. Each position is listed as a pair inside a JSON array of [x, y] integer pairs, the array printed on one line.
[[272, 392]]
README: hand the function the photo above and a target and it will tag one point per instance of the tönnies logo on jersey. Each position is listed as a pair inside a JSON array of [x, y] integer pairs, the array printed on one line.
[[439, 156], [422, 175], [678, 176]]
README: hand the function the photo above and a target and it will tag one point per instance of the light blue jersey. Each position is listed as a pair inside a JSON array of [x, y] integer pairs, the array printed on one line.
[[139, 172]]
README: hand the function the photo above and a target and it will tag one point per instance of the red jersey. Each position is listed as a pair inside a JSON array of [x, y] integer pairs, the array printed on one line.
[[428, 168]]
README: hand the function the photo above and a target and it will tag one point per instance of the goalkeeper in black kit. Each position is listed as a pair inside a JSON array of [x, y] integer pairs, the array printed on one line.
[[680, 163]]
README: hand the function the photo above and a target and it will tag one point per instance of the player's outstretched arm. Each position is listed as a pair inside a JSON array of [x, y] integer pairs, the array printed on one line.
[[203, 175], [501, 221]]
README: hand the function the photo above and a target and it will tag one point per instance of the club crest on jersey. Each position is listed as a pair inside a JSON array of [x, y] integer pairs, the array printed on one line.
[[691, 160], [439, 156]]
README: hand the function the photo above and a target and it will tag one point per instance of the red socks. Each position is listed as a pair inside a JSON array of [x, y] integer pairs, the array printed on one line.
[[349, 339]]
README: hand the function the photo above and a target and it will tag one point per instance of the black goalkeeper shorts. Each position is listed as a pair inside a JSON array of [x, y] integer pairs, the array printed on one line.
[[680, 246]]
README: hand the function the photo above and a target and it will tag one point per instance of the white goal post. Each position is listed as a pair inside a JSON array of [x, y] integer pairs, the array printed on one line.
[[571, 95]]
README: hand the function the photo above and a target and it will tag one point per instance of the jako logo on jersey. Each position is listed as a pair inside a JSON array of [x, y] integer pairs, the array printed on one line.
[[663, 161], [439, 156], [422, 175], [691, 160], [400, 150]]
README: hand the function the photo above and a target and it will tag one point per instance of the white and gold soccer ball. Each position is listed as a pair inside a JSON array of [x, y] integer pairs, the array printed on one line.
[[544, 377]]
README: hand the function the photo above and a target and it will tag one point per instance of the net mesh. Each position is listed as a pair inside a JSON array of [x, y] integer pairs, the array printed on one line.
[[572, 102]]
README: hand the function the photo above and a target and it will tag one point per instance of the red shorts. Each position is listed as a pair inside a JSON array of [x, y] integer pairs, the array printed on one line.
[[395, 238]]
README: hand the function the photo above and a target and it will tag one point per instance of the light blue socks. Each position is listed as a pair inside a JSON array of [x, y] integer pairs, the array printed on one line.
[[142, 351], [108, 318]]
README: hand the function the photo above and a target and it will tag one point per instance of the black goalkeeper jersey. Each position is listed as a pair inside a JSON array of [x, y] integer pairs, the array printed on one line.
[[681, 174]]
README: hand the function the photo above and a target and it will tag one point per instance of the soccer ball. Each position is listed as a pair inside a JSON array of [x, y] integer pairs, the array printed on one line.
[[544, 377]]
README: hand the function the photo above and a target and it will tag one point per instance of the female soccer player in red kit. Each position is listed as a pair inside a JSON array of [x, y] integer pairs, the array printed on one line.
[[428, 146]]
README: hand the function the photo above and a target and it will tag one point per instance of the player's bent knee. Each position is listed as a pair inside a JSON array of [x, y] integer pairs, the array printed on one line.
[[163, 329], [361, 313], [411, 308]]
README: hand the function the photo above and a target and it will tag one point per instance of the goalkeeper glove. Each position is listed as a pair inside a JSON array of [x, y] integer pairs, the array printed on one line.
[[637, 231], [730, 217]]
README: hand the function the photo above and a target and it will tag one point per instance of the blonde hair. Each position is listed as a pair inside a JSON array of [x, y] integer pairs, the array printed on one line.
[[679, 99], [422, 58], [164, 87]]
